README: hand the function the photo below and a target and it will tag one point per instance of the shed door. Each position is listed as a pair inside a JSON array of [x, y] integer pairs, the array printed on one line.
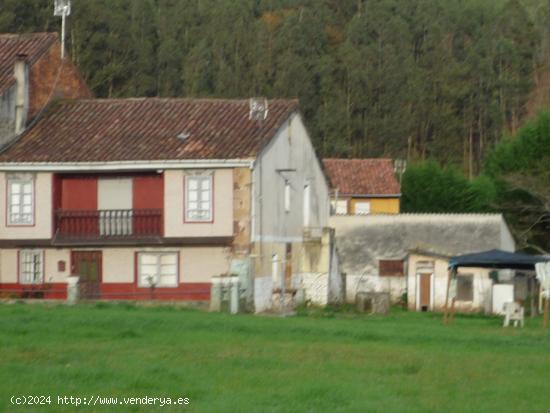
[[425, 287]]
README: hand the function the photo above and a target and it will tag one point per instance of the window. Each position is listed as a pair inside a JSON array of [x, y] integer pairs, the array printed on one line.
[[339, 207], [307, 205], [389, 268], [20, 201], [287, 196], [158, 268], [114, 202], [362, 208], [464, 288], [31, 267], [198, 198]]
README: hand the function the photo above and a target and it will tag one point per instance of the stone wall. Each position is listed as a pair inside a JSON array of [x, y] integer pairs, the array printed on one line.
[[49, 79]]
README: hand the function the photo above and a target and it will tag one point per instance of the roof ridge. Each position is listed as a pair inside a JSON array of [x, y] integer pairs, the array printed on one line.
[[442, 214], [357, 159], [169, 99], [147, 128], [28, 34]]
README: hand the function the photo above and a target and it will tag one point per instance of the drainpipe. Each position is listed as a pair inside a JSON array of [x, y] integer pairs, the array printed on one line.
[[21, 74]]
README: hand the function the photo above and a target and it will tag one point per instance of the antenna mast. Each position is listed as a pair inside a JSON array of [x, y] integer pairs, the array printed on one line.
[[62, 8]]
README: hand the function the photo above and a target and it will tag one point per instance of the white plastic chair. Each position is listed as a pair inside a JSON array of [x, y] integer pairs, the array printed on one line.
[[513, 312]]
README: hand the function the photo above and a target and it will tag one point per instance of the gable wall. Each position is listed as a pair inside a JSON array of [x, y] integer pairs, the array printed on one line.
[[47, 72]]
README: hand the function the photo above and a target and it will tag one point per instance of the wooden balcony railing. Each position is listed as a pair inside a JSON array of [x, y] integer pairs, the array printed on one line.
[[109, 224]]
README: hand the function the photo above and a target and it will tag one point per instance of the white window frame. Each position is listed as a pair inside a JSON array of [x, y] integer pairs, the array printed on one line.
[[35, 274], [157, 276], [367, 211], [17, 218], [339, 206], [188, 210]]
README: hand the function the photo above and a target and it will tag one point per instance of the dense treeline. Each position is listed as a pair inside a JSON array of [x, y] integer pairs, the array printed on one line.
[[403, 78], [515, 181], [439, 81]]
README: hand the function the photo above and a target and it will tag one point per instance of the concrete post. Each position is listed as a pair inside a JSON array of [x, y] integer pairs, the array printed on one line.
[[300, 297], [234, 298], [216, 294], [72, 290]]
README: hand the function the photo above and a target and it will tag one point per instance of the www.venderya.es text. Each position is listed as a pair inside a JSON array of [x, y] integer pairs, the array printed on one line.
[[97, 400]]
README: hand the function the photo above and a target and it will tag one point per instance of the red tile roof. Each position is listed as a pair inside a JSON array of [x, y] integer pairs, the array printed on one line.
[[33, 45], [102, 130], [362, 177]]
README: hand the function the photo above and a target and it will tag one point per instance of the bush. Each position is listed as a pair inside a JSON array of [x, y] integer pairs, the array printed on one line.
[[429, 187]]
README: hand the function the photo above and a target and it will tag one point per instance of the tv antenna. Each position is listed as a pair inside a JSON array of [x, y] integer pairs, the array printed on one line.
[[62, 8], [258, 109]]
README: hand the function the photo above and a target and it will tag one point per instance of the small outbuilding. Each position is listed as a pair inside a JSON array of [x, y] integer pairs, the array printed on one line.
[[408, 256]]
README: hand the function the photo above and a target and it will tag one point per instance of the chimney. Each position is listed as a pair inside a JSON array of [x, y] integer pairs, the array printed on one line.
[[21, 74]]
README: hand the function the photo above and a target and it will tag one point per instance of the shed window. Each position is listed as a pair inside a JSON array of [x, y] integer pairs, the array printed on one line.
[[465, 287], [391, 268]]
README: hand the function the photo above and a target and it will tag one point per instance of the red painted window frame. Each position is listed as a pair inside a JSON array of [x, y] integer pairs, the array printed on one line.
[[43, 253], [212, 199], [136, 268], [7, 187]]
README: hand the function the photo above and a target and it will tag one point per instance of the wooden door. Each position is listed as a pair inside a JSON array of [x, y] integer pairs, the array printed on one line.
[[425, 289], [87, 266]]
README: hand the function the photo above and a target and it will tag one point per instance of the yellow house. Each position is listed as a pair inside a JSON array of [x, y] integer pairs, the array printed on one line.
[[363, 186]]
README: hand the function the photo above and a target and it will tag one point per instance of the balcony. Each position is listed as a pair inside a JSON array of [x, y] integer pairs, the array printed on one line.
[[104, 226]]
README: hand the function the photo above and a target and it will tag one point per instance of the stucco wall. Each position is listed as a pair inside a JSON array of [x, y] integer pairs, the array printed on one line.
[[356, 283], [8, 266], [51, 269], [292, 154], [288, 157], [482, 284], [42, 228], [174, 198], [377, 205], [197, 264]]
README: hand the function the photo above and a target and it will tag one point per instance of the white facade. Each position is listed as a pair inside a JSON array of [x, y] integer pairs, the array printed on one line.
[[287, 178]]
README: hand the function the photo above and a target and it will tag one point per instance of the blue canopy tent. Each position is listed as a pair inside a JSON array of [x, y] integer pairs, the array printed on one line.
[[497, 259], [494, 259]]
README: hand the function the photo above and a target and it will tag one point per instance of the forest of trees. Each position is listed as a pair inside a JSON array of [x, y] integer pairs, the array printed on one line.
[[424, 80], [414, 79]]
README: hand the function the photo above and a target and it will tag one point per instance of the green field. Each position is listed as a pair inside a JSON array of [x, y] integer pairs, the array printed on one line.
[[328, 362]]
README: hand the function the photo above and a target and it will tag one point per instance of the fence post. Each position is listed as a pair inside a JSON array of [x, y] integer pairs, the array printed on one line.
[[72, 290], [234, 298], [216, 294]]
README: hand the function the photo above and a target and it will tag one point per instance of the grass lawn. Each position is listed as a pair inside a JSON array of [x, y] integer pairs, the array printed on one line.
[[404, 362]]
